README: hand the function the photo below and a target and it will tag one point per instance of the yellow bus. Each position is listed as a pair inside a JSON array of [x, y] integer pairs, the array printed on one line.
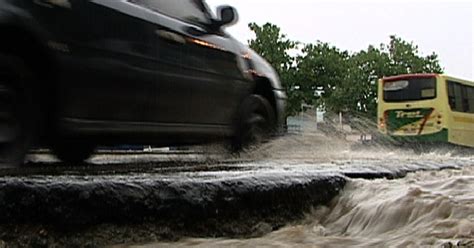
[[427, 108]]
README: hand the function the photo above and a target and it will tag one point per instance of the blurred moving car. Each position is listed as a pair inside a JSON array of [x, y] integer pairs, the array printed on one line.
[[76, 74]]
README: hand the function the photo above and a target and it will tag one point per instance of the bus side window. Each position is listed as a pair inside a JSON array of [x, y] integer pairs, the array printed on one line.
[[465, 99], [451, 98], [470, 99], [458, 98]]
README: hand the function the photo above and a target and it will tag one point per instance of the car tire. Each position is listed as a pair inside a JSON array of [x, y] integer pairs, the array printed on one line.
[[18, 111], [256, 123], [73, 151]]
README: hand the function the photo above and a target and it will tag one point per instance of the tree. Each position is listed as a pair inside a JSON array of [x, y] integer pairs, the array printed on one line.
[[274, 46], [367, 66], [321, 68], [405, 58]]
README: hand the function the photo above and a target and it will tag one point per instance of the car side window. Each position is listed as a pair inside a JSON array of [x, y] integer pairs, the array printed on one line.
[[194, 11]]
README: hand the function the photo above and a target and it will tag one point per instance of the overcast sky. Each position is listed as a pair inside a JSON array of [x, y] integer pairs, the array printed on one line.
[[441, 26]]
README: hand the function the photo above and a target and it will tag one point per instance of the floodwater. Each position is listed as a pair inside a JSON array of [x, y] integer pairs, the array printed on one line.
[[424, 209]]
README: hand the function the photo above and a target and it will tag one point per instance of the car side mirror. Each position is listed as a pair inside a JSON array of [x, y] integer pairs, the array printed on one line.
[[226, 16]]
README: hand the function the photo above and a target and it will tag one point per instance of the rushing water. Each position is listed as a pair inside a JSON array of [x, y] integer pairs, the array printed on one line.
[[424, 209]]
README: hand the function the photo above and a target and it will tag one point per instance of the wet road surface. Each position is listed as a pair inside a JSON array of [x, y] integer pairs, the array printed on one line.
[[127, 198]]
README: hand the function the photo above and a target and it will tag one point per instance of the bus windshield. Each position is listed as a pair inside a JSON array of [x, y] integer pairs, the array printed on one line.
[[409, 89]]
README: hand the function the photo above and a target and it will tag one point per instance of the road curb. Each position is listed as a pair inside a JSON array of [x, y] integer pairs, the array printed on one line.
[[81, 201]]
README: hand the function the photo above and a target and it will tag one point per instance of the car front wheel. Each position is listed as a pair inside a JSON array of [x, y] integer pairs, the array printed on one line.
[[256, 123]]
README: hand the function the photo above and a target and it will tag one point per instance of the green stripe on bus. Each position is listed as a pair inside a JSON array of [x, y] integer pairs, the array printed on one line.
[[399, 118], [441, 136]]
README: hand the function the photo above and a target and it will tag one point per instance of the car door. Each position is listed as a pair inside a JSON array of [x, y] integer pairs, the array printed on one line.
[[198, 79], [103, 81]]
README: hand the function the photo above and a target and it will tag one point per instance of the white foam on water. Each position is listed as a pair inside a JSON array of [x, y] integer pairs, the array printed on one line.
[[425, 209]]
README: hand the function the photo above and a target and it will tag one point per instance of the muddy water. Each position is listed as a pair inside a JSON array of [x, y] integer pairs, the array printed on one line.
[[424, 209]]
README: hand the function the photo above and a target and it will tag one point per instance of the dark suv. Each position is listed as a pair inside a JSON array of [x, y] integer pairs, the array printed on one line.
[[76, 74]]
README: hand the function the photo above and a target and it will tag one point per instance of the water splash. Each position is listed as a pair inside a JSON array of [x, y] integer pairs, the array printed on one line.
[[321, 145]]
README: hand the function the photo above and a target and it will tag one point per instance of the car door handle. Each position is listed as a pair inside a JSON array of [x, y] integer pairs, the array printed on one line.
[[170, 36]]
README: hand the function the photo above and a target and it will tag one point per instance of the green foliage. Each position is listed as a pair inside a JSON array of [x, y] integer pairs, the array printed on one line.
[[273, 46], [404, 58], [321, 68], [325, 76]]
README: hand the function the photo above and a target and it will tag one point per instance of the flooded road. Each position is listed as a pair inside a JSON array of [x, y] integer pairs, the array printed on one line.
[[423, 209], [306, 190]]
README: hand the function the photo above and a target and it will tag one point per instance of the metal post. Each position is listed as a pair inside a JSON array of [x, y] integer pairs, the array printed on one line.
[[340, 120], [316, 119]]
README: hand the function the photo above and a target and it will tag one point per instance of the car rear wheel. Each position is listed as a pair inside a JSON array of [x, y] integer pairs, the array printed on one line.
[[17, 114], [73, 151], [256, 123]]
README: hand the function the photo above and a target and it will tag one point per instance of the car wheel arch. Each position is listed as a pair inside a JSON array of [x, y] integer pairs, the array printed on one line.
[[263, 87]]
